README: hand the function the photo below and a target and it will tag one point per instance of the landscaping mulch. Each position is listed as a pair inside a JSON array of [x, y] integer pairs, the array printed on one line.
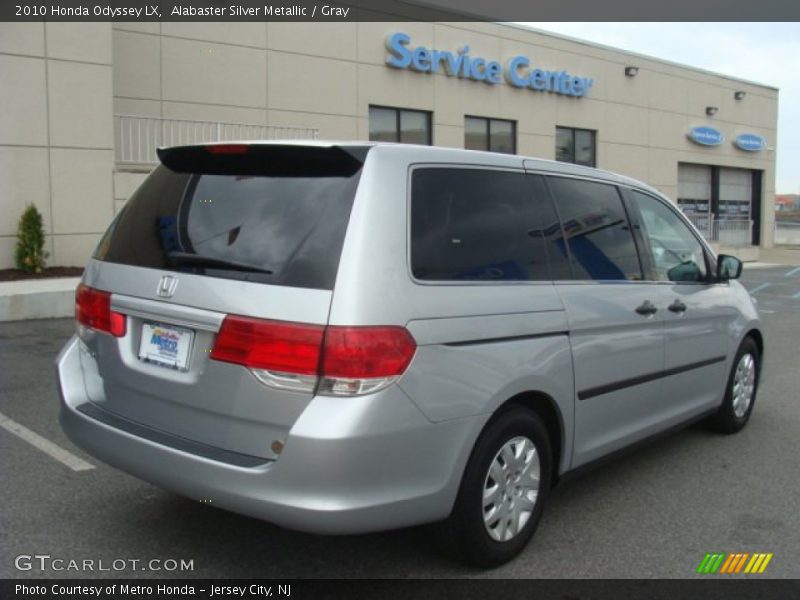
[[48, 273]]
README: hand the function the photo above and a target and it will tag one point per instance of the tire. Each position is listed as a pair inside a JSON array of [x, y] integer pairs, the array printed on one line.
[[501, 449], [740, 390]]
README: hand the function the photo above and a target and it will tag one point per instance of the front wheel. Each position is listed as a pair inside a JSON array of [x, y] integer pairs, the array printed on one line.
[[740, 393], [503, 490]]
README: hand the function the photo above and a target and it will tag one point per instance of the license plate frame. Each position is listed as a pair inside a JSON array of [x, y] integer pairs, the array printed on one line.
[[165, 345]]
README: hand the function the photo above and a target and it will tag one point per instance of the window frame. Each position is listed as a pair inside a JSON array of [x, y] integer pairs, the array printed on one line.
[[572, 131], [398, 110], [488, 133], [639, 229]]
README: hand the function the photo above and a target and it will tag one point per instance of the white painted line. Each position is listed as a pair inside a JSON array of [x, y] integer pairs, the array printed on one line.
[[34, 439], [763, 310], [792, 272], [760, 287], [796, 296]]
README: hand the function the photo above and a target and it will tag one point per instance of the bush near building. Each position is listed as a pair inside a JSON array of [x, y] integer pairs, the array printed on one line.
[[30, 255]]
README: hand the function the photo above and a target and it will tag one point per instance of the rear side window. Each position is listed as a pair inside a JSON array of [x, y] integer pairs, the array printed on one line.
[[254, 218], [476, 225], [596, 227]]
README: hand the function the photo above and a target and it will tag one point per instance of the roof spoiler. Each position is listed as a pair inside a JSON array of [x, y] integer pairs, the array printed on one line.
[[267, 160]]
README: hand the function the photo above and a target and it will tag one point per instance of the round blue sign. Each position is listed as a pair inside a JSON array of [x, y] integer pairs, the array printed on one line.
[[706, 136], [750, 142]]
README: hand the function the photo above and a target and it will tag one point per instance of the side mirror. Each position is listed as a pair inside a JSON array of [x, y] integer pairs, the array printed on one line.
[[728, 267]]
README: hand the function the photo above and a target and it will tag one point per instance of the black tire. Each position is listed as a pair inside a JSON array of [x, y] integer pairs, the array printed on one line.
[[464, 531], [726, 420]]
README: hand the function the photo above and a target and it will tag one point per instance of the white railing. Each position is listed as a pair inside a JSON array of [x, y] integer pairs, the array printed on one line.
[[787, 232], [704, 224], [733, 232], [727, 232], [136, 138]]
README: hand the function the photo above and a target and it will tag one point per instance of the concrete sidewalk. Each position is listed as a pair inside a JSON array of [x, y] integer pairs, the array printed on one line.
[[783, 255], [38, 298]]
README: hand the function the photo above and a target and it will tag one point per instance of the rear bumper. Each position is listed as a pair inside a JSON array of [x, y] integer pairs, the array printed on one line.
[[348, 466]]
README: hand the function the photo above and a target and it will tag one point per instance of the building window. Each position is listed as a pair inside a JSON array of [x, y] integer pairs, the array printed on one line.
[[495, 135], [576, 146], [399, 125]]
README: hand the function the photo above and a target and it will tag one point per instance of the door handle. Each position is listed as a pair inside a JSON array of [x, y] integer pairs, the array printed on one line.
[[646, 308], [677, 307]]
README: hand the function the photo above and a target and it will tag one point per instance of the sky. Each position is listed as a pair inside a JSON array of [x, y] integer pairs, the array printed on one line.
[[766, 53]]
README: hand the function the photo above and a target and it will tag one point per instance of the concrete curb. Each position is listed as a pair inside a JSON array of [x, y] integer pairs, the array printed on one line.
[[38, 299]]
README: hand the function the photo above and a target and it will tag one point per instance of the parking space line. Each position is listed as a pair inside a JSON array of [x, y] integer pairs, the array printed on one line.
[[796, 296], [34, 439], [792, 272], [758, 288]]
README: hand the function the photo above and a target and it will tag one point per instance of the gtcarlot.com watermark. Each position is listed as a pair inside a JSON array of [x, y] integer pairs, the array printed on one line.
[[46, 562]]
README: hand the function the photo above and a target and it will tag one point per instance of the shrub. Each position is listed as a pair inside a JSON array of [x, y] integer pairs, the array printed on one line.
[[30, 254]]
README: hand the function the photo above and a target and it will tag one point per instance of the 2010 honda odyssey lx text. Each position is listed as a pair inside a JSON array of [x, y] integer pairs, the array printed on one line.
[[343, 338]]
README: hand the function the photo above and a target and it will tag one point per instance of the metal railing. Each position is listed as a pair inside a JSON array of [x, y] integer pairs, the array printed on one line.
[[704, 224], [136, 138], [727, 232], [733, 232], [787, 233]]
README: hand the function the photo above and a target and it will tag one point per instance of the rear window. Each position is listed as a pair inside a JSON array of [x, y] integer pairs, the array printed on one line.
[[268, 215]]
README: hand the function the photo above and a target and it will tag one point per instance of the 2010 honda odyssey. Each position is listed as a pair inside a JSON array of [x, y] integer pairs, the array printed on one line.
[[343, 338]]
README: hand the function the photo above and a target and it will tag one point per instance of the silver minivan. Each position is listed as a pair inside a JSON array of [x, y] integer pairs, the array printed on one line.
[[344, 338]]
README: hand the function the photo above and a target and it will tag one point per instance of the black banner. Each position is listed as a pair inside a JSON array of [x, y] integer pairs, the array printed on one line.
[[394, 10], [321, 589]]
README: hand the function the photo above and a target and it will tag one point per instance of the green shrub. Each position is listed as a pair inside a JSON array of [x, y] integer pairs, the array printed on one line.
[[30, 255]]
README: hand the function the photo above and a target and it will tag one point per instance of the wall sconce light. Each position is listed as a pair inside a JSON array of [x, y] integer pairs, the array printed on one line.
[[739, 94], [711, 110], [631, 71]]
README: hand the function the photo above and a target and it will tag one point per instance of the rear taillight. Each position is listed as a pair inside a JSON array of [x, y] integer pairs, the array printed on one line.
[[359, 360], [93, 309], [338, 361]]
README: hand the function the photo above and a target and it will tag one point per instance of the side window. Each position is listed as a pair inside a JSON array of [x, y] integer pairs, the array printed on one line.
[[476, 224], [597, 231], [677, 254]]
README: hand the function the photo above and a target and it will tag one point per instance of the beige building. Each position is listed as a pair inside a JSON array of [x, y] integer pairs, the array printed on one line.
[[85, 104]]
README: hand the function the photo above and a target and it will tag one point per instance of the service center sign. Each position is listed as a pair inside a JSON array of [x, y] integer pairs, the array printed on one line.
[[517, 71]]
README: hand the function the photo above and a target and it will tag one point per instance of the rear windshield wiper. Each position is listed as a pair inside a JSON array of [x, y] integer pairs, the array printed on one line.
[[187, 258]]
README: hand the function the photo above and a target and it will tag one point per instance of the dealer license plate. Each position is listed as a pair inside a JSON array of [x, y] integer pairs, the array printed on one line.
[[166, 345]]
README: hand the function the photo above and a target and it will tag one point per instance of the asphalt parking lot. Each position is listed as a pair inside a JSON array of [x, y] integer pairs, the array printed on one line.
[[654, 513]]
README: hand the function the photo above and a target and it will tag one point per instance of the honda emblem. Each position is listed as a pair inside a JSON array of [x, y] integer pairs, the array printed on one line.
[[167, 285]]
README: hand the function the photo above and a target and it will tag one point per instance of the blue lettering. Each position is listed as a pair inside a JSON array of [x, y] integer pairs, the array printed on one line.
[[421, 60], [512, 72], [538, 80], [453, 63], [464, 62], [494, 71], [438, 57], [401, 55], [460, 64], [564, 80], [478, 69]]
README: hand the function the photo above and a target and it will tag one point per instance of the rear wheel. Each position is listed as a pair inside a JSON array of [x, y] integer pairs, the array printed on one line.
[[503, 491], [740, 393]]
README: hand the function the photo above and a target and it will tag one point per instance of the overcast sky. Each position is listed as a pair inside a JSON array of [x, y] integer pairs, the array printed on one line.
[[766, 53]]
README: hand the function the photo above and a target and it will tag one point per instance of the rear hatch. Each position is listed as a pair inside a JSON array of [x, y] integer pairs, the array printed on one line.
[[216, 235]]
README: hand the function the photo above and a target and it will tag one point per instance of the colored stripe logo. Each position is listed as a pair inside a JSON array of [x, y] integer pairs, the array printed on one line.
[[734, 563]]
